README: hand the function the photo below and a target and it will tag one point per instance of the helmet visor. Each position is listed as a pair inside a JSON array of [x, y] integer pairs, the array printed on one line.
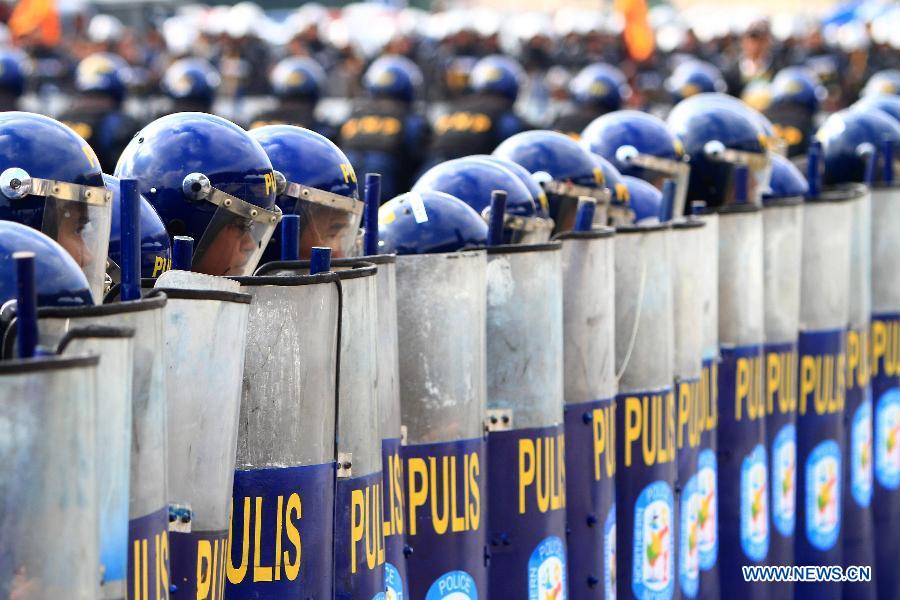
[[658, 170], [759, 173], [523, 230], [326, 219], [563, 198]]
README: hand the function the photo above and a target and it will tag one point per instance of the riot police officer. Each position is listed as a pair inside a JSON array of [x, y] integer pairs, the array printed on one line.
[[796, 97], [96, 113], [596, 90], [477, 123], [191, 84], [384, 133], [297, 82], [694, 77]]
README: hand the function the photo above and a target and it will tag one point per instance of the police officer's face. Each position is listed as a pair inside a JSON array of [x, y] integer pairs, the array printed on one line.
[[228, 253], [327, 228], [71, 235]]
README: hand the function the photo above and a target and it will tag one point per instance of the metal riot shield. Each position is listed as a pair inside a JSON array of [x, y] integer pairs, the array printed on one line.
[[589, 382], [824, 316], [441, 304], [148, 568], [283, 499], [526, 459], [742, 465], [782, 248], [707, 274], [859, 535], [645, 413], [205, 337], [885, 358], [48, 487], [688, 236]]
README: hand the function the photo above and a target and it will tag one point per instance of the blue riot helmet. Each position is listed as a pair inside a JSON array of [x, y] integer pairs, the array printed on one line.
[[849, 137], [644, 200], [564, 169], [297, 77], [773, 142], [59, 280], [640, 145], [50, 180], [798, 86], [14, 71], [537, 192], [473, 180], [601, 86], [429, 222], [191, 80], [393, 77], [883, 82], [156, 251], [888, 103], [103, 73], [497, 75], [786, 182], [320, 186], [718, 137], [207, 178], [619, 210], [694, 77]]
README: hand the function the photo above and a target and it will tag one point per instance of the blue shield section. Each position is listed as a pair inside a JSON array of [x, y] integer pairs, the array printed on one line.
[[820, 440], [590, 495], [394, 519], [280, 516], [527, 513], [689, 424], [198, 564], [886, 404], [148, 556], [743, 490], [707, 482], [358, 538], [645, 505], [446, 498]]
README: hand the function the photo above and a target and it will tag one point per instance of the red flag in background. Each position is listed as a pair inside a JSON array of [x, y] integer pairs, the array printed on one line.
[[638, 34], [35, 21]]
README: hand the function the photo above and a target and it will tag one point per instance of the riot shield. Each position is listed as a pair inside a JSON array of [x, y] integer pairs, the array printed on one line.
[[782, 239], [824, 316], [147, 574], [589, 382], [48, 486], [688, 236], [283, 504], [205, 337], [645, 413], [707, 476], [441, 301], [742, 467], [885, 382], [859, 535], [526, 460]]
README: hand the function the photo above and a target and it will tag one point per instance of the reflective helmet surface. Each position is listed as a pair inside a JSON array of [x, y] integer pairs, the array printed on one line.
[[883, 82], [208, 179], [394, 77], [58, 279], [786, 182], [191, 79], [694, 77], [156, 250], [297, 77], [888, 103], [620, 137], [600, 85], [848, 137], [799, 86], [537, 192], [429, 222], [321, 187], [14, 71], [644, 200], [104, 73], [497, 74]]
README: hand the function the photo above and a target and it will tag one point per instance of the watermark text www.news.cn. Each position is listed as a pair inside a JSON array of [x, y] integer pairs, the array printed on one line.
[[807, 574]]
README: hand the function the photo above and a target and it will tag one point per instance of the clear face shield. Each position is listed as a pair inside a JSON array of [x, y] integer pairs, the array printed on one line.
[[238, 232], [522, 230], [326, 219], [659, 170], [759, 172], [78, 217], [564, 197]]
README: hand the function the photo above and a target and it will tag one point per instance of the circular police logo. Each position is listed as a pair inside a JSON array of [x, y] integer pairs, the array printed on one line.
[[707, 519], [689, 555], [823, 495], [609, 553], [861, 453], [887, 439], [755, 504], [392, 582], [547, 570], [784, 480], [653, 554], [455, 585]]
